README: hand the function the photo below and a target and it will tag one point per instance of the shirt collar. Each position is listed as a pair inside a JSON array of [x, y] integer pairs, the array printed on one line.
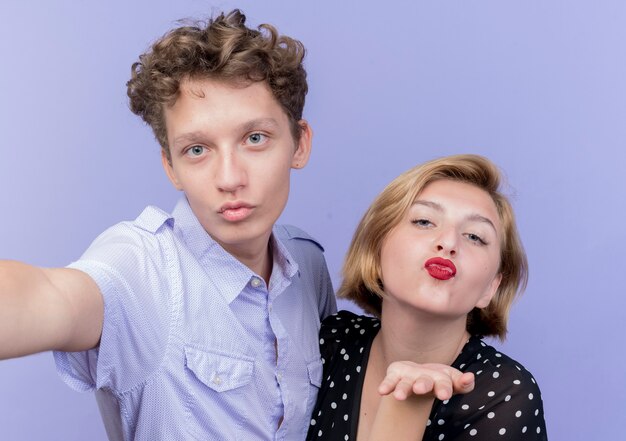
[[284, 267], [229, 275]]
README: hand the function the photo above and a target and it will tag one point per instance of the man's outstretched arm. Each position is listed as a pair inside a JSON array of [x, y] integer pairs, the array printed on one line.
[[47, 309]]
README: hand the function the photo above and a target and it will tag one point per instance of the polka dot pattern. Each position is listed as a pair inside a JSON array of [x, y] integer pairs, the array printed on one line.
[[505, 404]]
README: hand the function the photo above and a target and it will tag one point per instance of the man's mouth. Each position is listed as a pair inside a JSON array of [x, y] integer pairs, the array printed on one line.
[[235, 212]]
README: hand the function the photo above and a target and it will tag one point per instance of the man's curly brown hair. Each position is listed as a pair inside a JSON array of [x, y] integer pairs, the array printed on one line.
[[224, 49]]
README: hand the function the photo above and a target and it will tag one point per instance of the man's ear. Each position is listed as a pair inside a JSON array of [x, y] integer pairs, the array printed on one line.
[[303, 149], [484, 301], [169, 170]]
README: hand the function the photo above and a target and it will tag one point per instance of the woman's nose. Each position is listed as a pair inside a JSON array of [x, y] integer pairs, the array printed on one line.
[[447, 241]]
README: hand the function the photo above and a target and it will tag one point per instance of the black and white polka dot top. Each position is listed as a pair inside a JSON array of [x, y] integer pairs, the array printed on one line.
[[505, 404]]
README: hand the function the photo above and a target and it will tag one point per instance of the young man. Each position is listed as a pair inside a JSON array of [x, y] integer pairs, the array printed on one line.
[[202, 323]]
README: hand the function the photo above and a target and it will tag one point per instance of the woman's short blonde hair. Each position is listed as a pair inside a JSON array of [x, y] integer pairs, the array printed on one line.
[[362, 271]]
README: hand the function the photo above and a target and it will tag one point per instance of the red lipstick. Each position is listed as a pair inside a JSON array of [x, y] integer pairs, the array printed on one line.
[[440, 268]]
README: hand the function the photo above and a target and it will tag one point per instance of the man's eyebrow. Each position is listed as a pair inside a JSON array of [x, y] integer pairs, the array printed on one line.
[[187, 137], [253, 124], [475, 217], [269, 123]]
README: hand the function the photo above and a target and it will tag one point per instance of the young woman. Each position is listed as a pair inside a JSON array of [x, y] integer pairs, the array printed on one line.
[[437, 261]]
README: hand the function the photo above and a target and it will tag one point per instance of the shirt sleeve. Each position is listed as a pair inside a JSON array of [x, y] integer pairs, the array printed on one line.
[[129, 267], [516, 412], [327, 299], [310, 254], [506, 404]]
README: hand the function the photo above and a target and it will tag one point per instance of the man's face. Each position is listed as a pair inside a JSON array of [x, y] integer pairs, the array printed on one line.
[[231, 153]]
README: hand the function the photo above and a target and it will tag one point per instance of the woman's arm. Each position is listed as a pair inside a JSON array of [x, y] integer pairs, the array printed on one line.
[[408, 392], [401, 419]]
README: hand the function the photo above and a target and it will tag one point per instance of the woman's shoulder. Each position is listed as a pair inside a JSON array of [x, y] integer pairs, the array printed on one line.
[[346, 331], [501, 381], [346, 323], [506, 398], [485, 360]]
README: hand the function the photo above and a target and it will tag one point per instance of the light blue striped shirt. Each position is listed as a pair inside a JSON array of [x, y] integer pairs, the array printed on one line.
[[194, 344]]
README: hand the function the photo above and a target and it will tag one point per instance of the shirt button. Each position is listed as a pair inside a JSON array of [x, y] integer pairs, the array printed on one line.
[[279, 376], [255, 282], [217, 380]]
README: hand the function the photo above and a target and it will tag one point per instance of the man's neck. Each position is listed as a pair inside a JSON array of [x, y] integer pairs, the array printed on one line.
[[258, 258]]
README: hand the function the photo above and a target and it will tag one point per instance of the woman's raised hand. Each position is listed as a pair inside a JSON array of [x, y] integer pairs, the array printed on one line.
[[438, 380]]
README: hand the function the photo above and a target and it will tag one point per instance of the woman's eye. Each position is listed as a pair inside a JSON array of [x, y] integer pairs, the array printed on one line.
[[256, 138], [476, 238], [421, 222], [195, 150]]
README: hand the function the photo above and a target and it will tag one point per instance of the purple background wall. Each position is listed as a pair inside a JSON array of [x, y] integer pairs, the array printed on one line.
[[538, 86]]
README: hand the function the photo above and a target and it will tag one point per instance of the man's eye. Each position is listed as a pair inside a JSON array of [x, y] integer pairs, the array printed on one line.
[[196, 150], [256, 138]]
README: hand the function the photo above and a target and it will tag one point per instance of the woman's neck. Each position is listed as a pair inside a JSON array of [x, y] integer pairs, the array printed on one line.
[[406, 335]]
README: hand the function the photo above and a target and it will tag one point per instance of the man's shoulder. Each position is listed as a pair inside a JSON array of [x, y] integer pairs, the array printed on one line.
[[151, 219], [141, 236], [149, 223], [290, 234]]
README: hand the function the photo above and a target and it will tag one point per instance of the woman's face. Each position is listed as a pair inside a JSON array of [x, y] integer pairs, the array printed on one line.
[[444, 255]]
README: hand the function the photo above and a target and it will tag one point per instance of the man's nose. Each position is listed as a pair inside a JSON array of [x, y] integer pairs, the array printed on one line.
[[230, 173]]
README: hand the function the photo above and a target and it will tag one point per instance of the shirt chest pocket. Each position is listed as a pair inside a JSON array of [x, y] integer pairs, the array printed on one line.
[[314, 369], [217, 371]]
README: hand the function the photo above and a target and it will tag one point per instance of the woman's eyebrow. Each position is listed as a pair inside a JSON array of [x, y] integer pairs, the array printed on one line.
[[480, 218], [430, 204], [475, 217]]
